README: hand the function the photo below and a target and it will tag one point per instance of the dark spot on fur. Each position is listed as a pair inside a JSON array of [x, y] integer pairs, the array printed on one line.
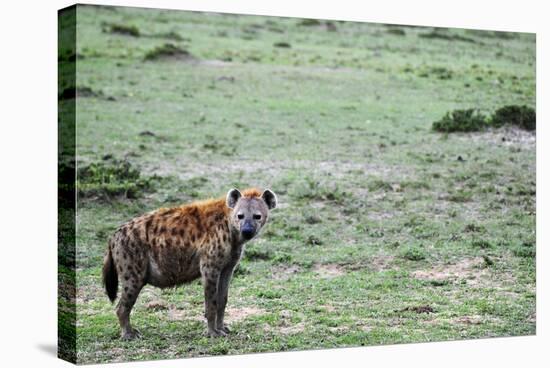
[[126, 288]]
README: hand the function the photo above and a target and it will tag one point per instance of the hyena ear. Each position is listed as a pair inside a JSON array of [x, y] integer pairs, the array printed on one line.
[[270, 198], [232, 197]]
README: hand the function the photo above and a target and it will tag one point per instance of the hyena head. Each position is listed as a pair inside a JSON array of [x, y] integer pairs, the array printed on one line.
[[250, 210]]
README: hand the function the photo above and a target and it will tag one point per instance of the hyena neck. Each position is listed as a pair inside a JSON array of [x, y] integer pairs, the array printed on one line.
[[237, 245], [236, 238]]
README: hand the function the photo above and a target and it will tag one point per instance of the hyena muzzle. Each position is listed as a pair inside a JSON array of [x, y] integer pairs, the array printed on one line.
[[169, 247]]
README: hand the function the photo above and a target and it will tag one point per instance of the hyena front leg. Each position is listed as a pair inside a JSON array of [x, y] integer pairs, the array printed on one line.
[[223, 288], [210, 275]]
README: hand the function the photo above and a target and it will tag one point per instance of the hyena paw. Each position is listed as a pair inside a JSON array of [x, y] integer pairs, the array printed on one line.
[[225, 329], [131, 334], [216, 333]]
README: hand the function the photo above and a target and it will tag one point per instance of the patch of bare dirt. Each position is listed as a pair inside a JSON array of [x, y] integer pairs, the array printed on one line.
[[186, 168], [377, 263], [156, 305], [216, 63], [292, 329], [329, 270], [383, 262], [507, 136], [470, 269], [284, 272], [175, 314], [239, 314], [469, 320]]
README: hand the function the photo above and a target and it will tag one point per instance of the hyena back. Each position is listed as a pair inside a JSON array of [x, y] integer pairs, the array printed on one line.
[[169, 247]]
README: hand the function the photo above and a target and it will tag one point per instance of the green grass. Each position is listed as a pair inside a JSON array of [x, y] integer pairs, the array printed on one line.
[[387, 231]]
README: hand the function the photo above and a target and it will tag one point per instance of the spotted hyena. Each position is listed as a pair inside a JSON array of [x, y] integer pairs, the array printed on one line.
[[172, 246]]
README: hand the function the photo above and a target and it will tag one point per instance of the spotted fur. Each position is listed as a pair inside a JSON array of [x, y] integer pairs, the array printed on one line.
[[172, 246]]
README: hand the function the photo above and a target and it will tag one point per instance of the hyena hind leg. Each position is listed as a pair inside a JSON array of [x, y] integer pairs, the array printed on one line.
[[132, 284], [124, 307]]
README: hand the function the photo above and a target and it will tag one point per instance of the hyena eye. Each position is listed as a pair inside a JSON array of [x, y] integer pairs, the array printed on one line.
[[257, 217], [240, 216]]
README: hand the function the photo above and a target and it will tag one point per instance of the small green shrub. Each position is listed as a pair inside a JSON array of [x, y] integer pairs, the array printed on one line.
[[262, 254], [309, 22], [525, 250], [413, 253], [379, 184], [124, 30], [396, 31], [443, 35], [469, 120], [481, 244], [117, 178], [282, 44], [522, 116], [168, 50]]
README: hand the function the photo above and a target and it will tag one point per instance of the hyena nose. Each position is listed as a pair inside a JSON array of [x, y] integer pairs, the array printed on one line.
[[247, 232]]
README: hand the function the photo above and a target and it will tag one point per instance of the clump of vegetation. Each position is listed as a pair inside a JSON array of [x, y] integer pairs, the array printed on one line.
[[168, 51], [522, 116], [171, 36], [481, 244], [124, 29], [282, 44], [396, 31], [471, 120], [493, 34], [525, 250], [437, 71], [262, 254], [460, 196], [313, 240], [435, 34], [379, 184], [310, 189], [309, 22], [473, 228], [413, 253], [419, 309], [115, 179], [468, 120]]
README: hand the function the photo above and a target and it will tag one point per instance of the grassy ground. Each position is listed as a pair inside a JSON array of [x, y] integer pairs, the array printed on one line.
[[387, 232]]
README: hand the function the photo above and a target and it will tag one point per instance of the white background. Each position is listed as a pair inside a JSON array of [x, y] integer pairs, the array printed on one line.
[[28, 143]]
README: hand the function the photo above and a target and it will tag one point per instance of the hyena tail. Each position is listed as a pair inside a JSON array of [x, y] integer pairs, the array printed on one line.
[[110, 276]]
